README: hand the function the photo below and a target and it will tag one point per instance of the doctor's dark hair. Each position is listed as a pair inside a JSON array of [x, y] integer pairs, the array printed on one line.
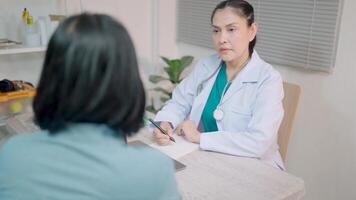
[[243, 9], [90, 75]]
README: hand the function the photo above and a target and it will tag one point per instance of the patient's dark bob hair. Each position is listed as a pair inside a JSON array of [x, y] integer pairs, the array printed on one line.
[[90, 75]]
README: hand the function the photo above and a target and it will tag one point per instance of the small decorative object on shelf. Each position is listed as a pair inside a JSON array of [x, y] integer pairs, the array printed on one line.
[[31, 36]]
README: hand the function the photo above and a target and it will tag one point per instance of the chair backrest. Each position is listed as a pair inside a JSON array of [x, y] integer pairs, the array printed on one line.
[[290, 104]]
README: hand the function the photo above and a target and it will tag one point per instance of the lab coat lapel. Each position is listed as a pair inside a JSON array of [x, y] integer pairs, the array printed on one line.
[[236, 85], [248, 75]]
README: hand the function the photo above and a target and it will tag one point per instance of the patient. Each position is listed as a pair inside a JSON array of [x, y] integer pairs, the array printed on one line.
[[89, 99]]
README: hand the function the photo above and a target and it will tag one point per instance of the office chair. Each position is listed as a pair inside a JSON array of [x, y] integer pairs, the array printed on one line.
[[290, 104]]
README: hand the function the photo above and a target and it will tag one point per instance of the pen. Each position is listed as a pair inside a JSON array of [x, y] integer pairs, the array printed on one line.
[[164, 132]]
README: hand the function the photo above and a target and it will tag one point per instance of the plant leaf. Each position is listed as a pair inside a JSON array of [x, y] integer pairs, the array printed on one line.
[[176, 66], [166, 60], [164, 99], [157, 78], [174, 69], [170, 73], [151, 109], [159, 89], [185, 62], [167, 70]]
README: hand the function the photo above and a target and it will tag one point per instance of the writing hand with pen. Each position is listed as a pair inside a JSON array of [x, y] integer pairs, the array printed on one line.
[[160, 137], [186, 129]]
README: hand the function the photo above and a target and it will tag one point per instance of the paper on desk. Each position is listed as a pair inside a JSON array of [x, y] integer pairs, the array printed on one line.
[[175, 150], [178, 149]]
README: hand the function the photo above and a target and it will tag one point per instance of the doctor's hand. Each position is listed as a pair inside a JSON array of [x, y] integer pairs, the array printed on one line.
[[189, 131], [161, 138]]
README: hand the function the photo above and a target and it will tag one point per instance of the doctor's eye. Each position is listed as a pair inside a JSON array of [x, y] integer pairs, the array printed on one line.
[[232, 29], [216, 31]]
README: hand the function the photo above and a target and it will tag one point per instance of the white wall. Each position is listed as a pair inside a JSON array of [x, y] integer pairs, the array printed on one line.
[[322, 150], [136, 17], [149, 24]]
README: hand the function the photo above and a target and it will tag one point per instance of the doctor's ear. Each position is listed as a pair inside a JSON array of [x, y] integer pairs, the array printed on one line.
[[253, 31]]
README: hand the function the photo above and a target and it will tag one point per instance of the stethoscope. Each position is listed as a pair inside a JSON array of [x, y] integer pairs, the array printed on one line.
[[218, 113]]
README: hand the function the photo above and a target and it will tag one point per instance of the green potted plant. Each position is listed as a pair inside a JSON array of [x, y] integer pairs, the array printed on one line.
[[173, 75]]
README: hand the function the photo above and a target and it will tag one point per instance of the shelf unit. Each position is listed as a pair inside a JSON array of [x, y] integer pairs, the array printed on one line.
[[18, 49]]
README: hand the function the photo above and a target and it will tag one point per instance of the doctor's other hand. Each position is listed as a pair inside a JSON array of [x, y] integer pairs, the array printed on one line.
[[161, 138], [189, 131]]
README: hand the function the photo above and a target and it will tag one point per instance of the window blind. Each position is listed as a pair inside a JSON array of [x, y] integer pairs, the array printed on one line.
[[302, 34]]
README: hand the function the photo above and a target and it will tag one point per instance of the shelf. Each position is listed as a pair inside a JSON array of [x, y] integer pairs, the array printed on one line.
[[18, 50]]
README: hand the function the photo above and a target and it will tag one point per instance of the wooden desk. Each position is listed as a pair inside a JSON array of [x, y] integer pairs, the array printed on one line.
[[215, 176], [210, 175]]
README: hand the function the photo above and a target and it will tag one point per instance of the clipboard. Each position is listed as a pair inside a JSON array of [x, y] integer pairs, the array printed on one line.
[[178, 166]]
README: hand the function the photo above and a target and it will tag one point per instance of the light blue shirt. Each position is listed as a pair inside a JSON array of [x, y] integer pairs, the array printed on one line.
[[85, 161]]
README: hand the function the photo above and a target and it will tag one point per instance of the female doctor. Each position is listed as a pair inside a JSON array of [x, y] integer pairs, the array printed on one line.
[[232, 101]]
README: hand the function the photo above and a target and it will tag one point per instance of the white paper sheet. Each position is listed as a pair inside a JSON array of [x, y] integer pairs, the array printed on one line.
[[178, 149], [174, 150]]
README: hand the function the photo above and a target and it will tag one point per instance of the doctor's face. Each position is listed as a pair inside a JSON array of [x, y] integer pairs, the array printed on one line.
[[232, 35]]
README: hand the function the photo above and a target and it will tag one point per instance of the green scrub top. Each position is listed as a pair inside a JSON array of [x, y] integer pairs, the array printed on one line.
[[207, 119]]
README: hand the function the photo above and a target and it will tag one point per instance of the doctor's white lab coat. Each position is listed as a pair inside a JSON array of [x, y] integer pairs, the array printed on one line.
[[252, 109]]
